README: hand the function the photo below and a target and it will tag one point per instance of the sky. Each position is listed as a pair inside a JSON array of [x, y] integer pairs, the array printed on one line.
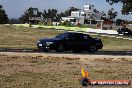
[[16, 8]]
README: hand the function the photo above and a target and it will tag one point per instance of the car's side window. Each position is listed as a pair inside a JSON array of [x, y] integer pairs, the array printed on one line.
[[79, 37], [69, 36], [73, 37], [66, 36], [85, 37]]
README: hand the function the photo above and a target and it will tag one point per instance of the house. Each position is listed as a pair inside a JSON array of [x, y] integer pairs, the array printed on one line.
[[106, 23], [89, 15], [55, 23]]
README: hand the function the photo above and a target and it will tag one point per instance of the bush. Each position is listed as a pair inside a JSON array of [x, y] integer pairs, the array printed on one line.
[[65, 23], [49, 24]]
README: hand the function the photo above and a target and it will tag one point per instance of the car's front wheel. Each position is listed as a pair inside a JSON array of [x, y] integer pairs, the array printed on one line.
[[45, 50], [60, 48], [76, 50], [92, 49]]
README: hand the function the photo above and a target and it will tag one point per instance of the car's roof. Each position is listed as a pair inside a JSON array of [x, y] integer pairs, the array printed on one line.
[[75, 33]]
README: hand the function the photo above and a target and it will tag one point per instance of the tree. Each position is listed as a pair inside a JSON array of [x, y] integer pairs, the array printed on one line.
[[14, 21], [103, 13], [51, 14], [112, 14], [31, 12], [118, 21], [62, 14], [68, 12], [3, 16], [126, 8]]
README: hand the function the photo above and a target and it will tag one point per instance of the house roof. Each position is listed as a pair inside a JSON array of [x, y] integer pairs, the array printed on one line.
[[107, 20]]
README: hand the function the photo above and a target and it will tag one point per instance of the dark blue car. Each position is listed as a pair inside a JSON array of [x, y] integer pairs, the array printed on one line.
[[68, 41], [124, 31]]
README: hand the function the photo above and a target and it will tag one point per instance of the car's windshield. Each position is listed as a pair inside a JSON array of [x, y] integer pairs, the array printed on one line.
[[64, 35]]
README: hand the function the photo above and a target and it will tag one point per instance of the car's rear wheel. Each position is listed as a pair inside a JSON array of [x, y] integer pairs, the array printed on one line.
[[92, 49], [60, 48]]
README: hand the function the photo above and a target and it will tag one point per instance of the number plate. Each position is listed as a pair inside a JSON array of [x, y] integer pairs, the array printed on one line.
[[40, 44]]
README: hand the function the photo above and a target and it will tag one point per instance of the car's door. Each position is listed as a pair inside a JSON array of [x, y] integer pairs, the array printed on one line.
[[76, 42], [85, 41], [79, 41], [71, 41]]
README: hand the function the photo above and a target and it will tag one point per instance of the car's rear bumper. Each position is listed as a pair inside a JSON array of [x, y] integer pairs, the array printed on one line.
[[100, 46]]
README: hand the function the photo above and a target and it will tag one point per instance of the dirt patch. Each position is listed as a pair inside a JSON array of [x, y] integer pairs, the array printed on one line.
[[50, 71]]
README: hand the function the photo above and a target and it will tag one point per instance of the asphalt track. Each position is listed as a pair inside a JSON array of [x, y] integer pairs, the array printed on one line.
[[122, 53]]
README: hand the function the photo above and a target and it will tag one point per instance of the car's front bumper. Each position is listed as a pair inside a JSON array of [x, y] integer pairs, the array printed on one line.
[[45, 46]]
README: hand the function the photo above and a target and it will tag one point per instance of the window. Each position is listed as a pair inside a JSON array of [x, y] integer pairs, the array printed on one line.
[[89, 7], [83, 15], [73, 20], [64, 35], [79, 14], [82, 37], [85, 37]]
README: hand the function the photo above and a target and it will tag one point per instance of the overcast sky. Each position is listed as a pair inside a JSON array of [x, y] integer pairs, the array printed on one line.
[[15, 8]]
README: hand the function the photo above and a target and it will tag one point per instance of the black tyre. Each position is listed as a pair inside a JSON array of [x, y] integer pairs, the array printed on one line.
[[76, 51], [46, 50], [60, 48], [92, 49]]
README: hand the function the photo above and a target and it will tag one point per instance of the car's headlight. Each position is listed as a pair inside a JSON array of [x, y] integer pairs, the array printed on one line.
[[49, 43]]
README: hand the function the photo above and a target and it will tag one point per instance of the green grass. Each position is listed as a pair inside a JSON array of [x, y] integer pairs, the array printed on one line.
[[115, 43], [21, 37], [25, 37], [53, 27]]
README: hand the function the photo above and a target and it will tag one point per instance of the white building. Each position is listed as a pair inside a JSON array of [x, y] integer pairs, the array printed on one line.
[[89, 15]]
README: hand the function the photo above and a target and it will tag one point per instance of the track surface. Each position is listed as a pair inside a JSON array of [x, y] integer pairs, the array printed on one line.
[[73, 56], [125, 53]]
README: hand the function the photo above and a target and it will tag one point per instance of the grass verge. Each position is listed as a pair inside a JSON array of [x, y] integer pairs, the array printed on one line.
[[24, 37]]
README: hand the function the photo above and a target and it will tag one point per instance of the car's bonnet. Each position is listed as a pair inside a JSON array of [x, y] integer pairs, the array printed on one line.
[[49, 39]]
